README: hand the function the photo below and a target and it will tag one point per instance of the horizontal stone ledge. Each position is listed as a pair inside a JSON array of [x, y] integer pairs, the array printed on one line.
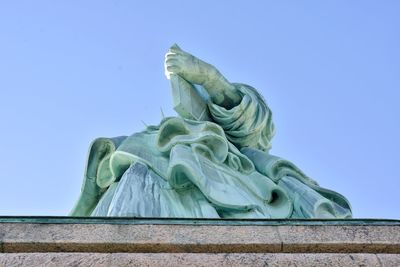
[[20, 237], [197, 259], [193, 221]]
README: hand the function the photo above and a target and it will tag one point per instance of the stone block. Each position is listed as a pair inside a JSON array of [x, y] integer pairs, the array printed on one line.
[[66, 241]]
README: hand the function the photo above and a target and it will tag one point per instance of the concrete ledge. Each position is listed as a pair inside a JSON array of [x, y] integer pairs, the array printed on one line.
[[197, 259], [48, 236], [142, 242]]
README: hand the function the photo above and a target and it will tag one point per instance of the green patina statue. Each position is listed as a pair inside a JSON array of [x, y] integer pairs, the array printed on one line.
[[211, 161]]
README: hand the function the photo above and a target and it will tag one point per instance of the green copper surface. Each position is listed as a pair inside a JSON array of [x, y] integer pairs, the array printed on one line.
[[211, 161]]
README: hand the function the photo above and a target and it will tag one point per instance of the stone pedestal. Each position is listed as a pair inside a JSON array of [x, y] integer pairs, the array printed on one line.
[[67, 241]]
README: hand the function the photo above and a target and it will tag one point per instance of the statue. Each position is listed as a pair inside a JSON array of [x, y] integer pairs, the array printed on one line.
[[211, 161]]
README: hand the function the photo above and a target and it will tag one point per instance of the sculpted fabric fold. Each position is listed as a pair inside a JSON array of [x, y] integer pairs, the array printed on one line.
[[212, 162]]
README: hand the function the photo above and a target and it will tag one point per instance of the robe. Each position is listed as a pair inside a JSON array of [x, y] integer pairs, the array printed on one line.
[[203, 169]]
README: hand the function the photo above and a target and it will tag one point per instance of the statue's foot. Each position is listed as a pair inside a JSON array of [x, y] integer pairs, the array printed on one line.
[[188, 66], [194, 70]]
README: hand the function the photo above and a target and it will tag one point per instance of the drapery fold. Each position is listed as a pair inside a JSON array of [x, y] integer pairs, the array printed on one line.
[[249, 124], [199, 157], [310, 200], [203, 169]]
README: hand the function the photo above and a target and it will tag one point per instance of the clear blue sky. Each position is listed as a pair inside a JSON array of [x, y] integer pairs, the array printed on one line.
[[71, 71]]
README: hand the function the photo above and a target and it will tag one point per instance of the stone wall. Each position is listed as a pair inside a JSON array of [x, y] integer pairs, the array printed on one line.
[[66, 241]]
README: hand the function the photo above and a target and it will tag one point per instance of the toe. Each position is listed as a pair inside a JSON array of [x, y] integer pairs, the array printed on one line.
[[171, 62], [176, 51], [171, 56], [173, 69]]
